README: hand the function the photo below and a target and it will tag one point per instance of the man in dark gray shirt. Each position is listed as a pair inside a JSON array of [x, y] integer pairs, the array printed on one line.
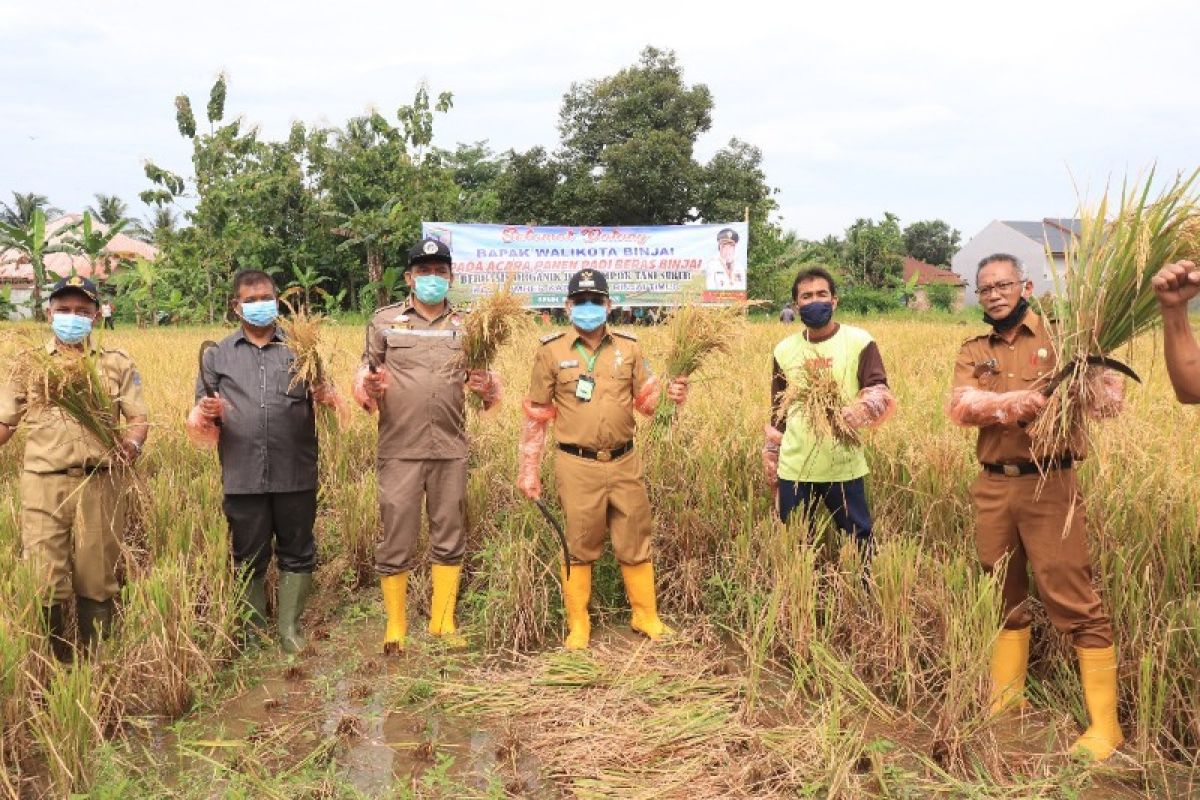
[[264, 423]]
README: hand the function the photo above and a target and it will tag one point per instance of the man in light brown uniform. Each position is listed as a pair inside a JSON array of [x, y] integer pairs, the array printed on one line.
[[72, 488], [1036, 521], [590, 381], [411, 374]]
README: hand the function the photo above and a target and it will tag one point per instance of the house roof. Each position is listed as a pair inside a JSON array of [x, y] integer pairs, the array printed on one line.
[[15, 269], [1053, 233], [928, 273]]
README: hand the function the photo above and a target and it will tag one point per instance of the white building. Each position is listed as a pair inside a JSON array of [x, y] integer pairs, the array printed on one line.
[[1041, 246]]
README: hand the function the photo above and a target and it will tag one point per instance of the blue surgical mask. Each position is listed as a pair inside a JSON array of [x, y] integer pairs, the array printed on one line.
[[816, 315], [260, 314], [431, 289], [588, 316], [70, 328]]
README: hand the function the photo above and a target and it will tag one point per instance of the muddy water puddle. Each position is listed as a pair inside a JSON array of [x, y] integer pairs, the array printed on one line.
[[347, 704]]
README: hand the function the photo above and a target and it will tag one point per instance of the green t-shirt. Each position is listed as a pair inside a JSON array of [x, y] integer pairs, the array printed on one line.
[[802, 456]]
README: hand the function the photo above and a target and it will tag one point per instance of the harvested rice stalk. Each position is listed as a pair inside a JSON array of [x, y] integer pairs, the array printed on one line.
[[303, 331], [1104, 298], [493, 321], [695, 332], [817, 396], [69, 380]]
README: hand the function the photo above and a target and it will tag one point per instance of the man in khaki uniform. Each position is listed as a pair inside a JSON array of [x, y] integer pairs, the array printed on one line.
[[1032, 511], [590, 381], [411, 375], [72, 489]]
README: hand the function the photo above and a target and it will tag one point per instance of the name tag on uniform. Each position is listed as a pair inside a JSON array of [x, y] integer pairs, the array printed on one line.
[[583, 390], [570, 362]]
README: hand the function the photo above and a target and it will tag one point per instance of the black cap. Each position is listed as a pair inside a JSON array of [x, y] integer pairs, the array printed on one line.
[[727, 235], [76, 283], [587, 280], [429, 250]]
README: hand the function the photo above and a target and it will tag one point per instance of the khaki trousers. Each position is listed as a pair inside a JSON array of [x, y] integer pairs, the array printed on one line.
[[403, 484], [1044, 531], [599, 496], [71, 530]]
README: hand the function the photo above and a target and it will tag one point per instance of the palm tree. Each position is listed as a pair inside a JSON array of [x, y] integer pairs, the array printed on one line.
[[307, 281], [109, 209], [20, 213], [157, 228]]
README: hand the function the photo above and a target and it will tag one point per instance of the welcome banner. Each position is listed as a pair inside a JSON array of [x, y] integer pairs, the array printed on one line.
[[645, 266]]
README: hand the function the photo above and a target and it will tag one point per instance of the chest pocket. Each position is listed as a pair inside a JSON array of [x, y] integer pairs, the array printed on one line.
[[566, 381], [297, 392], [401, 350]]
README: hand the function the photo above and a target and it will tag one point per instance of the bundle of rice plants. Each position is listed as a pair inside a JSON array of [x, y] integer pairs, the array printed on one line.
[[303, 331], [695, 333], [68, 380], [817, 396], [1104, 297], [494, 320]]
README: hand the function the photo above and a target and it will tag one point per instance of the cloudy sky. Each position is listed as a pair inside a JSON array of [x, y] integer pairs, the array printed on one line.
[[963, 111]]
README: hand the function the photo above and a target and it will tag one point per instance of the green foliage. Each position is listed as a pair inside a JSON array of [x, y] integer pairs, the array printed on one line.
[[941, 296], [874, 252], [858, 299], [31, 241], [216, 100], [185, 120], [932, 241]]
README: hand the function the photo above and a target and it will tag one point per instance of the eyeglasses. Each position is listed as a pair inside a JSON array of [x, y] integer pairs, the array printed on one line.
[[1000, 288]]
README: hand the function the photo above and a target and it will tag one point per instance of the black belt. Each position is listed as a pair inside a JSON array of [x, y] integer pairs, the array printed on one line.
[[1017, 468], [596, 455], [79, 472]]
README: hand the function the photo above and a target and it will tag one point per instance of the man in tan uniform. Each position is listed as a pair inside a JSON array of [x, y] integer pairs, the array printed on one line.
[[411, 374], [590, 381], [1032, 513], [72, 489]]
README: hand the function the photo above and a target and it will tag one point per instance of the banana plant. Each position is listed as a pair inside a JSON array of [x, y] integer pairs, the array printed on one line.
[[33, 245]]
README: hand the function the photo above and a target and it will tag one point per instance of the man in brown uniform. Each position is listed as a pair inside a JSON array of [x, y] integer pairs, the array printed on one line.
[[1032, 516], [591, 380], [72, 489], [412, 375]]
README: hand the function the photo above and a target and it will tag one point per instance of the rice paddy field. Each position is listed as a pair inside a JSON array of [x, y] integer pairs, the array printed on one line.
[[794, 674]]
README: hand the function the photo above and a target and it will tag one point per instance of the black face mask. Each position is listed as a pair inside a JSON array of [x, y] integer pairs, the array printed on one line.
[[1012, 320]]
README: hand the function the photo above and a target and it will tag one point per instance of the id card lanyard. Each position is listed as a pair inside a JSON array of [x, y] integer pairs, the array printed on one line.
[[587, 381]]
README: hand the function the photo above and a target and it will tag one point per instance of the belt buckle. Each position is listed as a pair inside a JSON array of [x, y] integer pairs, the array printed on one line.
[[1011, 470], [604, 455], [74, 472]]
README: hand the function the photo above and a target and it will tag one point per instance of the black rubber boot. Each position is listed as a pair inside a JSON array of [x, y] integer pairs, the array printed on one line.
[[95, 620], [60, 646]]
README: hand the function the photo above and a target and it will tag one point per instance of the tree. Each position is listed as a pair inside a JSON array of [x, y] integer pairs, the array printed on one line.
[[33, 245], [306, 281], [932, 241], [20, 213], [109, 209], [91, 240], [874, 252]]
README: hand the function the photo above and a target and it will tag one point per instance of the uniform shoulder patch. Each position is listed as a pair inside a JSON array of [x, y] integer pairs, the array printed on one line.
[[550, 337], [119, 353], [625, 335], [389, 307]]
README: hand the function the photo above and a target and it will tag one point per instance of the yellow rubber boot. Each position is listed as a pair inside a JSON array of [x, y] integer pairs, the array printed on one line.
[[1010, 664], [395, 593], [441, 608], [1098, 674], [639, 585], [577, 591]]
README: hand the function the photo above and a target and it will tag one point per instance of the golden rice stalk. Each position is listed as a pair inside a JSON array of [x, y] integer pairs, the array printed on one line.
[[494, 320], [817, 396], [695, 332], [1104, 297], [69, 380], [303, 331]]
